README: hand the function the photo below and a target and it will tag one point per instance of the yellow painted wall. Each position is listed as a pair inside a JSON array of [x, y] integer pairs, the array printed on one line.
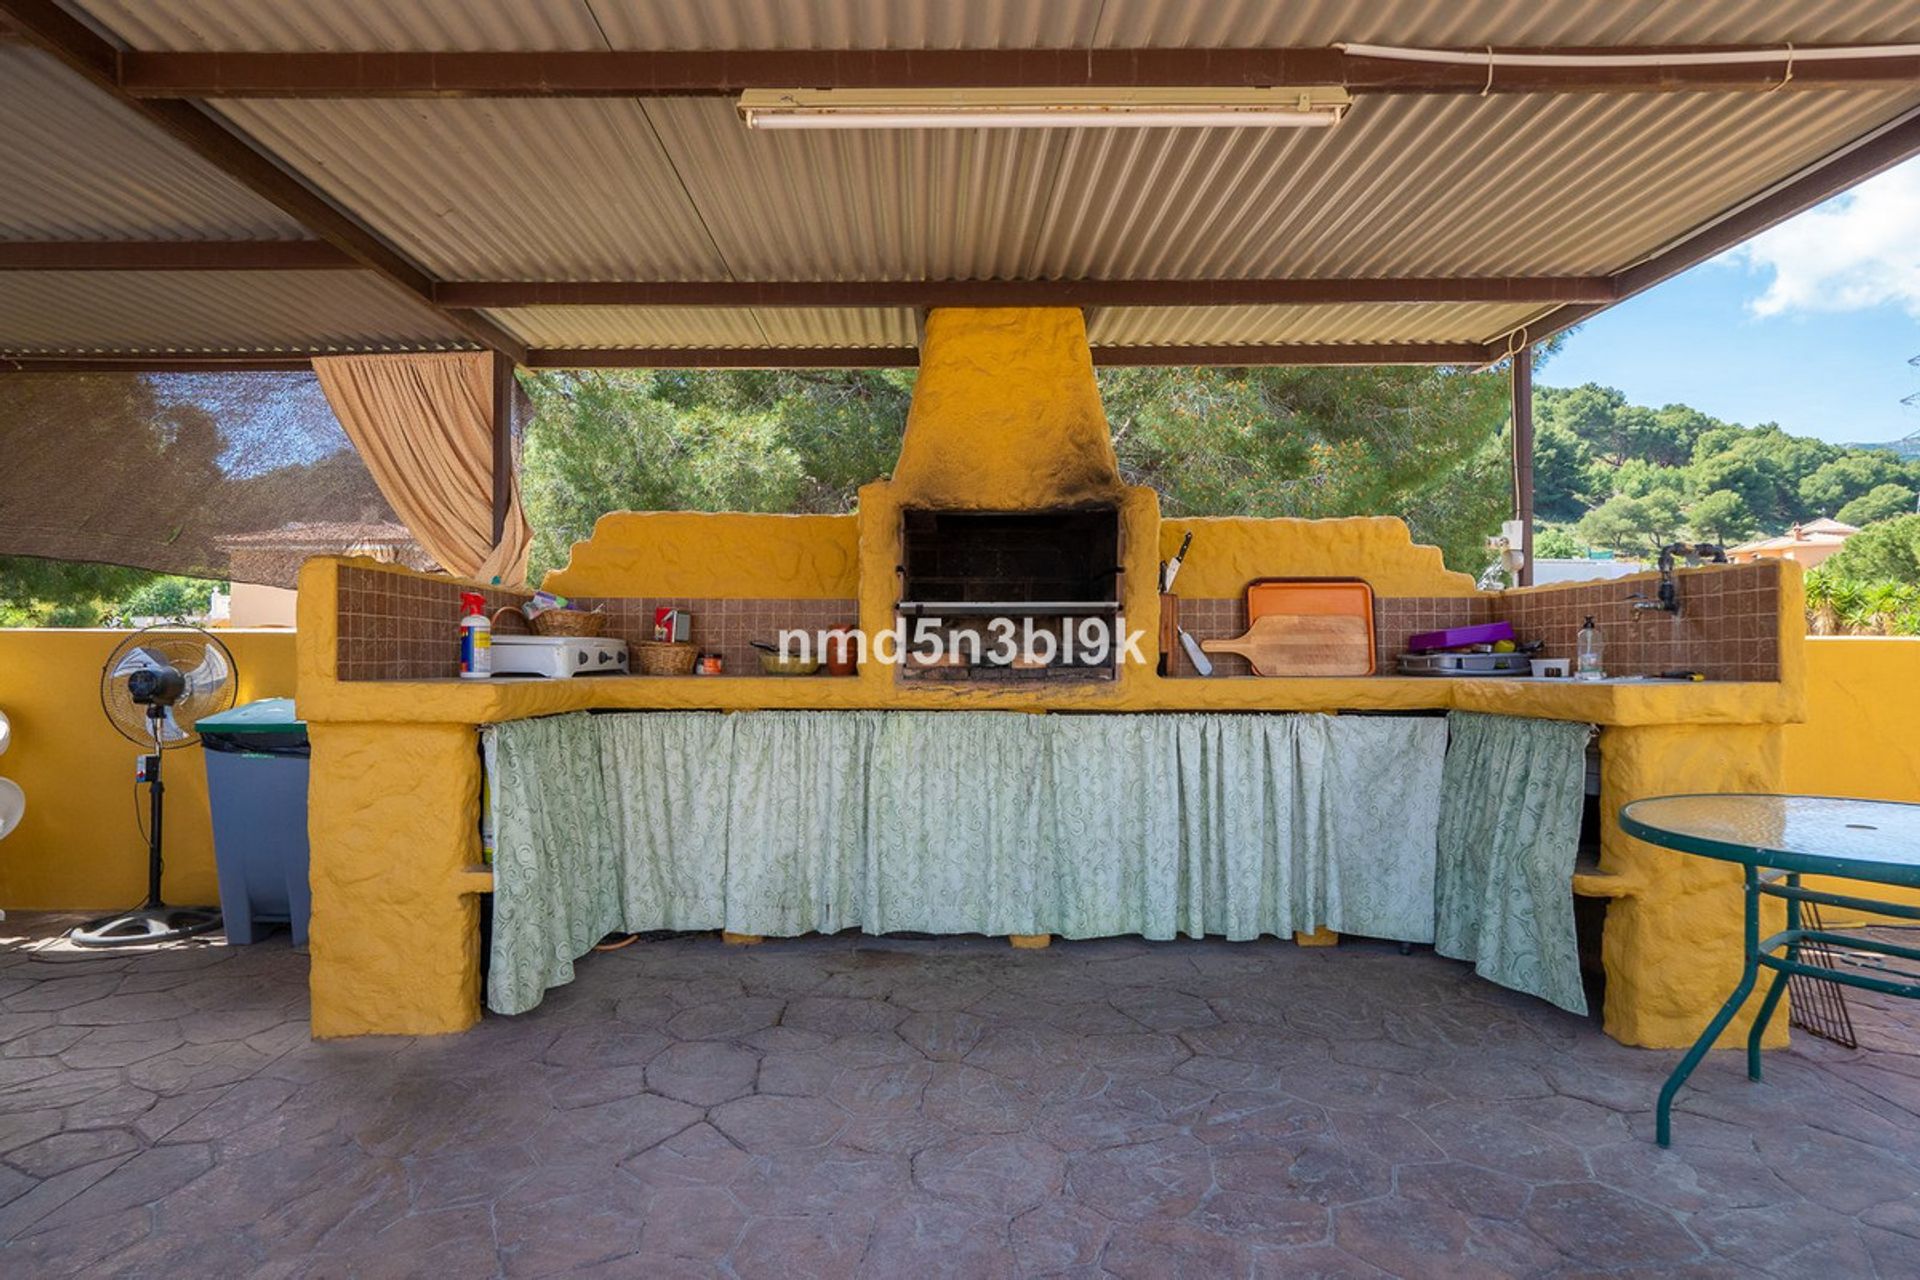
[[1861, 736], [79, 847], [690, 553], [1229, 552]]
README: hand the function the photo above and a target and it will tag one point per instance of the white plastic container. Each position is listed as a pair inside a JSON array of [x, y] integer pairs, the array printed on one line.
[[476, 638]]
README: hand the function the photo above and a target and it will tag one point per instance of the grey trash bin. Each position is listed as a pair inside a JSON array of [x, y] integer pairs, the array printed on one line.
[[257, 785]]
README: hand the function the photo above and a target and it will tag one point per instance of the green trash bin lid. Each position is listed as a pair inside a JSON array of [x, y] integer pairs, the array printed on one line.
[[268, 715]]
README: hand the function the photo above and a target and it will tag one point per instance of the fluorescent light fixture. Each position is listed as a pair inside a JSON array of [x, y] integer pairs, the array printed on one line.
[[1315, 108]]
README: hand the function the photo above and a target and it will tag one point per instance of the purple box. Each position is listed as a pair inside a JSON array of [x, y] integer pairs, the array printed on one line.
[[1454, 637]]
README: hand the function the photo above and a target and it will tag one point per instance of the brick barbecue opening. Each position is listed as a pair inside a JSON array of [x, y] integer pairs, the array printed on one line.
[[1013, 595]]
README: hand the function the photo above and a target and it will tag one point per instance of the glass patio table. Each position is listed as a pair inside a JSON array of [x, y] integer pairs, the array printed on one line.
[[1776, 840]]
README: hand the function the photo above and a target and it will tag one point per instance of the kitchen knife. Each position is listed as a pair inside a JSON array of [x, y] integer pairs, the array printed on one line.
[[1173, 565], [1200, 661]]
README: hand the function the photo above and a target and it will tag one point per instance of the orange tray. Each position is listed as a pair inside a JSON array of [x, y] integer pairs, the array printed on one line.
[[1313, 597]]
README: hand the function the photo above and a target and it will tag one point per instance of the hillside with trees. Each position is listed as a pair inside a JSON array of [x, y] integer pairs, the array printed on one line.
[[1628, 478]]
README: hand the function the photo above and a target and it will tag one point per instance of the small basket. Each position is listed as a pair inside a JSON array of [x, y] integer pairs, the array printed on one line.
[[583, 623], [665, 657]]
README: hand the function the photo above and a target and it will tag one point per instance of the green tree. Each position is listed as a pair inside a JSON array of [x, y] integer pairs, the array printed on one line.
[[704, 441], [39, 593], [1882, 502], [1722, 516], [1590, 413], [170, 597], [1421, 443], [1556, 542], [1631, 526], [1560, 463], [1764, 465], [1887, 552], [1853, 475]]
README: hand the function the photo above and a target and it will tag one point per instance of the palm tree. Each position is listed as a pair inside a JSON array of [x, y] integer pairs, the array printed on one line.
[[1849, 603], [1821, 618], [1883, 602]]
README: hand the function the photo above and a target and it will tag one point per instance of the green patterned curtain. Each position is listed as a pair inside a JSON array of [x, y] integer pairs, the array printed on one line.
[[1509, 833], [556, 855], [783, 823], [795, 846]]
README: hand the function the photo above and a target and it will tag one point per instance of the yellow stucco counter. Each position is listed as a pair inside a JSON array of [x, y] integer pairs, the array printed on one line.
[[1006, 418], [491, 701]]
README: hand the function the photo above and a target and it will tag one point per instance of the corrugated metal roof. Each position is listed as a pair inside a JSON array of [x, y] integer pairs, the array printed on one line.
[[471, 26], [577, 24], [76, 166], [1469, 23], [947, 24], [498, 189], [1444, 186], [43, 312], [940, 204], [677, 189], [1361, 322], [710, 326]]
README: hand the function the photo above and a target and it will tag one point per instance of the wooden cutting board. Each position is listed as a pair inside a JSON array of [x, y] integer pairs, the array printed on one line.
[[1303, 645]]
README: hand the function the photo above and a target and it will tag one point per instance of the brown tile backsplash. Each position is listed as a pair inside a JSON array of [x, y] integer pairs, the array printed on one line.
[[1727, 627], [395, 626], [399, 627]]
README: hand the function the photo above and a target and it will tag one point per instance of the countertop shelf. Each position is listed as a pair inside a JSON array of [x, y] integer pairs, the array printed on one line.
[[1614, 702]]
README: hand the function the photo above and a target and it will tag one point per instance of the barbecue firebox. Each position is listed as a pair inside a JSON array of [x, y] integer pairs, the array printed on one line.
[[1010, 595]]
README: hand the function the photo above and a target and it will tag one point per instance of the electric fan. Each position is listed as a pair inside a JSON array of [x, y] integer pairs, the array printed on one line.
[[156, 686]]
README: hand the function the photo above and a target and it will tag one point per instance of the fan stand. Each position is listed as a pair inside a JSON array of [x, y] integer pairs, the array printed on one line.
[[154, 921]]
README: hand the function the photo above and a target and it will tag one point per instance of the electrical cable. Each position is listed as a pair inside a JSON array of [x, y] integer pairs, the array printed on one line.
[[1697, 58]]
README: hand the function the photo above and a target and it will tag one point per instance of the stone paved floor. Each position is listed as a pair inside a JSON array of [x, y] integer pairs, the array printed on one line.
[[899, 1108]]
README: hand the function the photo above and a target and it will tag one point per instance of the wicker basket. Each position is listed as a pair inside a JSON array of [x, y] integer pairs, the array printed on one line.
[[664, 657], [558, 622]]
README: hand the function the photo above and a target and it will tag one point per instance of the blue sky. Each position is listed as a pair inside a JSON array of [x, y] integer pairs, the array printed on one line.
[[1811, 325]]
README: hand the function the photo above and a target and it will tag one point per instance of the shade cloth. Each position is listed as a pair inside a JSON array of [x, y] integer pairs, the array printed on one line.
[[424, 426], [781, 823], [1509, 834]]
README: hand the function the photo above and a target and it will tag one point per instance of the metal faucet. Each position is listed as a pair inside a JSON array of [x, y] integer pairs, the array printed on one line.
[[1669, 593]]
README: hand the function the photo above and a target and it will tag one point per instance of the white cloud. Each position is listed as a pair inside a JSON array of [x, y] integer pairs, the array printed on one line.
[[1857, 251]]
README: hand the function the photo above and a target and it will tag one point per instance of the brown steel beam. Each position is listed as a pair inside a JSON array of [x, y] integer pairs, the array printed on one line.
[[503, 389], [722, 357], [1463, 353], [1522, 373], [51, 28], [1298, 353], [1020, 293], [1306, 353], [1892, 145], [157, 363], [690, 73], [173, 255]]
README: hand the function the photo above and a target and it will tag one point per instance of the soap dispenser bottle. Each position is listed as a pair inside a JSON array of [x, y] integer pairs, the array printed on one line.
[[1587, 650]]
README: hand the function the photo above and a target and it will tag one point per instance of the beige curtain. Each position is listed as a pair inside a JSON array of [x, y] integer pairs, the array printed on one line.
[[424, 426]]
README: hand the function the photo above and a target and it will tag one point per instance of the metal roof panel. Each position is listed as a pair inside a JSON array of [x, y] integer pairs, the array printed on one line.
[[79, 167], [143, 312], [526, 189]]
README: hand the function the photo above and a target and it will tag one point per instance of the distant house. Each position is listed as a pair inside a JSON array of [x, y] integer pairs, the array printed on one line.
[[1805, 544], [263, 565]]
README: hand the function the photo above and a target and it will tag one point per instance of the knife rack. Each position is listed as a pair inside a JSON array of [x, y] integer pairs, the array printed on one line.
[[1169, 634]]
